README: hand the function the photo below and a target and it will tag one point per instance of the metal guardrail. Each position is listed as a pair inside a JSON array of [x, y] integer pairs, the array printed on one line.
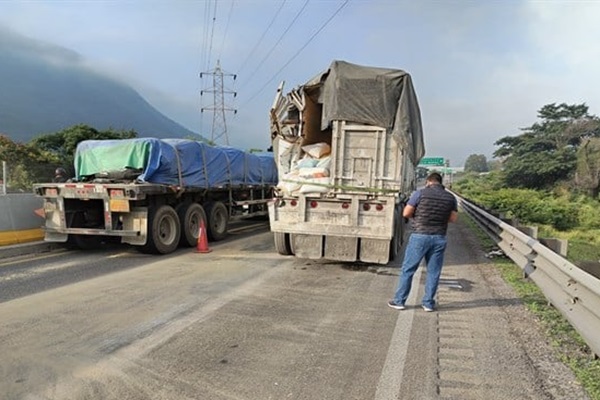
[[574, 292]]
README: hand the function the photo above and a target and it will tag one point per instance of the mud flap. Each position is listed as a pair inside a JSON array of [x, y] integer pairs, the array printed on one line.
[[55, 237], [308, 246], [375, 251], [341, 248], [136, 221]]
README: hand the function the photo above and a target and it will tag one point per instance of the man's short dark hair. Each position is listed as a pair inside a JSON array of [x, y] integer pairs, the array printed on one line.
[[434, 177]]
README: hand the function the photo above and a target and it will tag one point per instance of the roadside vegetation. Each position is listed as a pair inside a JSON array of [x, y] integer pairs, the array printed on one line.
[[557, 213], [547, 176], [570, 347]]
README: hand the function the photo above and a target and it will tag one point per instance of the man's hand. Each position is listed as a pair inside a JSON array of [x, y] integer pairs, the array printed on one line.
[[453, 216]]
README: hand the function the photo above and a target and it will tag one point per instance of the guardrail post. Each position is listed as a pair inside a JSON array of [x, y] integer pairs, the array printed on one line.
[[510, 221], [531, 231], [559, 246], [591, 267]]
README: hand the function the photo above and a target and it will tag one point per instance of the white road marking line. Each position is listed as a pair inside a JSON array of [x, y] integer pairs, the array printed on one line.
[[390, 380]]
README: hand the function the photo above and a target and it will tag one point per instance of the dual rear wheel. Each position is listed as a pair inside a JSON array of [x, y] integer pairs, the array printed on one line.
[[164, 230], [169, 227], [284, 243]]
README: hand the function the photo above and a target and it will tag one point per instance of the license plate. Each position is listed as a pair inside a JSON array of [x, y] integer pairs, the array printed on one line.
[[119, 205]]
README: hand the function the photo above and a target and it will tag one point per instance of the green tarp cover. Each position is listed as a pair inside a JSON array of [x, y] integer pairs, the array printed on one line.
[[115, 155]]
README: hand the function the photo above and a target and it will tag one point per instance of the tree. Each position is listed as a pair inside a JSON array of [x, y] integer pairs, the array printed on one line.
[[546, 152], [26, 164], [588, 166], [63, 144], [494, 165], [476, 163]]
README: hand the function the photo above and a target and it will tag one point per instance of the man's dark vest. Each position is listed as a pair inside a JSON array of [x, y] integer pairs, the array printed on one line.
[[432, 212]]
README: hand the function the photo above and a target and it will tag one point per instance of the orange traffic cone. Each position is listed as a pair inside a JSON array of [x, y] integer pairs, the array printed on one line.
[[202, 246]]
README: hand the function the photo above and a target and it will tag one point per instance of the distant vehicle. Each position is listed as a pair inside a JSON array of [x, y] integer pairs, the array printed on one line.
[[155, 193], [346, 144]]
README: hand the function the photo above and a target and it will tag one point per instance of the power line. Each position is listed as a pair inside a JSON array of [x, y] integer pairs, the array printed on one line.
[[275, 45], [226, 28], [262, 37], [212, 35], [297, 53], [204, 55], [205, 32]]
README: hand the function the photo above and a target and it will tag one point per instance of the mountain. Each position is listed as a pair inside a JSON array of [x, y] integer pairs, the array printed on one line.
[[45, 88]]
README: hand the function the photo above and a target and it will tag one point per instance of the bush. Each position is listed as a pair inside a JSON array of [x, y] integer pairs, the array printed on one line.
[[589, 215], [530, 206]]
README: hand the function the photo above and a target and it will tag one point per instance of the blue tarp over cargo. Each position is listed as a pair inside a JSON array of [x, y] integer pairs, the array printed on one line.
[[178, 162]]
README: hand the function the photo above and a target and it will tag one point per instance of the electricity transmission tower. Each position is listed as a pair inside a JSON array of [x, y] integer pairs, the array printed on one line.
[[218, 108]]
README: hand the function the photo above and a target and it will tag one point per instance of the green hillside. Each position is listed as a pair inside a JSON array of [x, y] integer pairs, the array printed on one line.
[[45, 88]]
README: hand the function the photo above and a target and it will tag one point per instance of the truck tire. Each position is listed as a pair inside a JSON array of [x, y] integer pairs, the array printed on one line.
[[218, 220], [164, 230], [291, 241], [282, 243], [190, 216]]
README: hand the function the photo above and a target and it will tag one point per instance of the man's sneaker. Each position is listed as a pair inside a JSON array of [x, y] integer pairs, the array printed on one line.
[[396, 306], [427, 309]]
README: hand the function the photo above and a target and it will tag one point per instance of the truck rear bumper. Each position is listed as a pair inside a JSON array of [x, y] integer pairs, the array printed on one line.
[[342, 230], [85, 231], [341, 248], [330, 218]]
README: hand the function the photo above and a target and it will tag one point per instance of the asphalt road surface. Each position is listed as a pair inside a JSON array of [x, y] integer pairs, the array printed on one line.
[[243, 322]]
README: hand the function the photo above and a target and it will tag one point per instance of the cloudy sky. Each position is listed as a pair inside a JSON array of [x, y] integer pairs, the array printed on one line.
[[481, 69]]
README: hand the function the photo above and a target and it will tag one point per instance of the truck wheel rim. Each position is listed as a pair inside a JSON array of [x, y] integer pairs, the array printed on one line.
[[166, 230]]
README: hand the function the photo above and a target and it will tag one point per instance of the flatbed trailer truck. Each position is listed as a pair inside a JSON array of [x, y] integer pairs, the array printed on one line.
[[155, 193]]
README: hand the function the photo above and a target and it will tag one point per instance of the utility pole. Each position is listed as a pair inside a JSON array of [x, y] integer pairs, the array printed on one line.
[[448, 172], [218, 108]]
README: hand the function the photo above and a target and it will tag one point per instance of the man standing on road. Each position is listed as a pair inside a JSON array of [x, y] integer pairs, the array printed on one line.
[[431, 208]]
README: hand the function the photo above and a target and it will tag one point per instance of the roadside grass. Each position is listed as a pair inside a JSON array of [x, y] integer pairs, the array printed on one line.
[[568, 344], [584, 245]]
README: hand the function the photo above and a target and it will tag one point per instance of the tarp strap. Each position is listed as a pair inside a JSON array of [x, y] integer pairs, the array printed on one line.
[[178, 159], [204, 165], [229, 168]]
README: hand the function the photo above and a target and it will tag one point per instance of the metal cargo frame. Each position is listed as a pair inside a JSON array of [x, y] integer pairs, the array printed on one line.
[[366, 159]]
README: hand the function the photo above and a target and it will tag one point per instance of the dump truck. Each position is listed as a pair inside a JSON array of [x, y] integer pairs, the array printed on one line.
[[155, 193], [346, 145]]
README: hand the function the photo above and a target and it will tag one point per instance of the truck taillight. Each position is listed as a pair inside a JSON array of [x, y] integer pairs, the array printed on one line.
[[367, 206], [117, 193], [51, 192], [294, 203], [313, 204], [345, 206]]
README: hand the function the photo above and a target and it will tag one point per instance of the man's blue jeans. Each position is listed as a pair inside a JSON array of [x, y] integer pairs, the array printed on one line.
[[431, 248]]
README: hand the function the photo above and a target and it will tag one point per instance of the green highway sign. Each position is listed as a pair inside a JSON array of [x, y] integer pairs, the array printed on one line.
[[432, 161]]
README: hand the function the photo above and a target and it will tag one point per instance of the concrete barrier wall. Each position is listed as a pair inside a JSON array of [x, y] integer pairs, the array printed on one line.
[[18, 221]]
